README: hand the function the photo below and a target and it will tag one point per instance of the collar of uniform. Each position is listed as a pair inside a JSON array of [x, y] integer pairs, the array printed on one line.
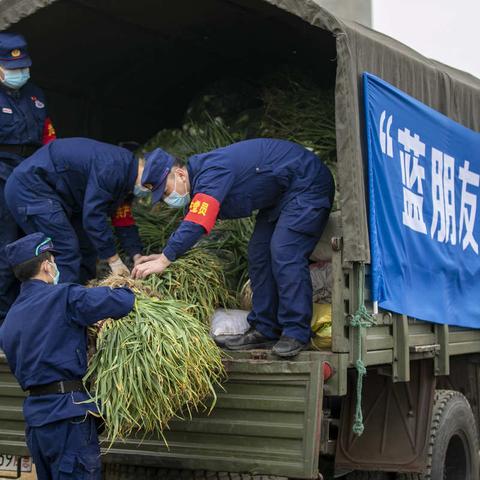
[[34, 282], [193, 168], [133, 174], [11, 92]]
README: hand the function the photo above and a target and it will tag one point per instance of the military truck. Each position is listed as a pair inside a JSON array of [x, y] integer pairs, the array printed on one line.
[[119, 69]]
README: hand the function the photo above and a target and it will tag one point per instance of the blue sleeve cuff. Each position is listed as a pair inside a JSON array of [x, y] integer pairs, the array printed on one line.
[[106, 251], [183, 239], [129, 239], [127, 303], [169, 252]]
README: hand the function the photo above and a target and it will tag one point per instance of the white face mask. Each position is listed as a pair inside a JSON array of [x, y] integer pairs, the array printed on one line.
[[175, 200], [15, 78], [55, 277], [140, 191]]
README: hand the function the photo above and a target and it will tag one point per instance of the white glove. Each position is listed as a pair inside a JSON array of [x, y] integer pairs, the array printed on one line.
[[119, 268]]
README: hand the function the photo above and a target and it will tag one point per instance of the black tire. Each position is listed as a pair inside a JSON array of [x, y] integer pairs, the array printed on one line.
[[131, 472], [358, 475], [453, 448]]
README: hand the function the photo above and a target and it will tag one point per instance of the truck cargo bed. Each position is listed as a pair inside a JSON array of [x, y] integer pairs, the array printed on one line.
[[263, 421]]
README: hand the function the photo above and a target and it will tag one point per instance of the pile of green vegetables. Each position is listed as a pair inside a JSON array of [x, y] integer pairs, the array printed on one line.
[[157, 363]]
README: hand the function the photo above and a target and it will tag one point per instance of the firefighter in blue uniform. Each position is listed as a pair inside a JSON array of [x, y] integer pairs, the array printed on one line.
[[68, 189], [293, 193], [44, 338], [24, 126]]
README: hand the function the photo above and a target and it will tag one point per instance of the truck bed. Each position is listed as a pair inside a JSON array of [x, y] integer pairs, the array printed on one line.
[[263, 421]]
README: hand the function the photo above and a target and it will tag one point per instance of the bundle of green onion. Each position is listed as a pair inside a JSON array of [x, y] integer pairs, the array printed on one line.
[[298, 110], [197, 279], [195, 137], [228, 241], [157, 363]]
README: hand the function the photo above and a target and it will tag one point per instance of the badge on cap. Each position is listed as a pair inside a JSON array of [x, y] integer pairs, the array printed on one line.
[[7, 110], [39, 104], [15, 53], [44, 246]]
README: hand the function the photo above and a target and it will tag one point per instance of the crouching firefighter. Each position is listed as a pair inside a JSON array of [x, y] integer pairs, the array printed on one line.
[[69, 190], [24, 127], [293, 192], [44, 338]]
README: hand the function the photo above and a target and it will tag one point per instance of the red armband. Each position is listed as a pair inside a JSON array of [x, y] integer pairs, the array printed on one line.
[[48, 132], [123, 217], [203, 210]]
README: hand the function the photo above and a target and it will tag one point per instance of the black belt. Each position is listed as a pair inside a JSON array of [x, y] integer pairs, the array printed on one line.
[[65, 386], [21, 150]]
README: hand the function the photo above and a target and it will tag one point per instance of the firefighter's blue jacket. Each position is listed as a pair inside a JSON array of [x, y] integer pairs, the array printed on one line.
[[71, 187], [23, 121], [258, 174], [44, 338], [293, 192], [23, 116]]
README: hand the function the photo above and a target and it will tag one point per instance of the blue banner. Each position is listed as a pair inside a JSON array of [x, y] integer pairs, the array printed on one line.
[[424, 187]]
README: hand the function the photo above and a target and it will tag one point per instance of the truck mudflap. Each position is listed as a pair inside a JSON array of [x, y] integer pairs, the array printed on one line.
[[397, 418], [266, 421]]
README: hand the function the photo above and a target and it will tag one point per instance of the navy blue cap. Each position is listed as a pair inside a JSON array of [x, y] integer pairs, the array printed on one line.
[[13, 51], [158, 164], [28, 247]]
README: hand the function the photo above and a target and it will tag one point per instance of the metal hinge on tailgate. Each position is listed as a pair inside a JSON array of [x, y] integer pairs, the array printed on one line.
[[435, 347]]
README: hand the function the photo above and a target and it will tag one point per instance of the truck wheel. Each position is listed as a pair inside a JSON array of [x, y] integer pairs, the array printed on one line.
[[453, 449], [132, 472], [360, 475]]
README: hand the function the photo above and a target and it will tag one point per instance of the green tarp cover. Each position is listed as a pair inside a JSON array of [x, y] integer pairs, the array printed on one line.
[[358, 49]]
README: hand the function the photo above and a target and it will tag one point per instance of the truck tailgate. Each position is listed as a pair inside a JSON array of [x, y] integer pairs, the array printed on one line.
[[266, 421]]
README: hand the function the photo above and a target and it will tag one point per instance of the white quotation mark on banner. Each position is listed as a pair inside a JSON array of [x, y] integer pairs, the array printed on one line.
[[386, 143]]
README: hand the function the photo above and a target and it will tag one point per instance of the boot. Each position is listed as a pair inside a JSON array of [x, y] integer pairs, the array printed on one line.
[[288, 347], [250, 340]]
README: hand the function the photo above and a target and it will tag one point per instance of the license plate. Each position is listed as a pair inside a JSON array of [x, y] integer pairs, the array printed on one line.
[[9, 463]]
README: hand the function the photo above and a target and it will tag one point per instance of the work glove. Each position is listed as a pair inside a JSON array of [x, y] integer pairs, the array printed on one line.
[[119, 268]]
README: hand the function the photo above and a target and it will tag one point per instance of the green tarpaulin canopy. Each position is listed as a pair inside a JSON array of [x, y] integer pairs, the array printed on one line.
[[118, 69]]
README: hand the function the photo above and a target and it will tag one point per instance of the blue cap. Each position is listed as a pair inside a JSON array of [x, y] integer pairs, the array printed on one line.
[[28, 247], [13, 51], [158, 164]]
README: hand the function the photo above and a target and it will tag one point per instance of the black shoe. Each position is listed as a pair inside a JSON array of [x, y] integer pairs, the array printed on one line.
[[221, 340], [288, 347], [249, 341]]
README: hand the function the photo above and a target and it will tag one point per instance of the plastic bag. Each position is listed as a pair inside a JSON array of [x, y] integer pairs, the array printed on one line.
[[321, 275], [229, 322], [322, 325]]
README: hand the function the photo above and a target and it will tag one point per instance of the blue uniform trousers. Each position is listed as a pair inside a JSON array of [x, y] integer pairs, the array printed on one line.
[[9, 232], [280, 277], [67, 449], [77, 260]]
